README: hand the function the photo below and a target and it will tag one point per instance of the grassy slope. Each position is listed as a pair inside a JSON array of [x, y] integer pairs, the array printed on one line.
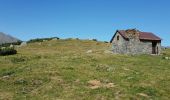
[[61, 69]]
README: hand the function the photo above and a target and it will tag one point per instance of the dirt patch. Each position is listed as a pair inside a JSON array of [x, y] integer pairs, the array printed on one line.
[[89, 51], [6, 96], [94, 84]]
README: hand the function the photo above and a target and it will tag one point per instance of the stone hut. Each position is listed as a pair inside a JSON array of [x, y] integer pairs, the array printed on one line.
[[133, 41]]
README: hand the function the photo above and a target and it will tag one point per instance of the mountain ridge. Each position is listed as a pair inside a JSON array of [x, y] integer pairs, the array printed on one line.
[[6, 38]]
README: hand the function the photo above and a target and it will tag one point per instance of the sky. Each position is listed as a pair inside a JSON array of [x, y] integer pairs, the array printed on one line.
[[84, 19]]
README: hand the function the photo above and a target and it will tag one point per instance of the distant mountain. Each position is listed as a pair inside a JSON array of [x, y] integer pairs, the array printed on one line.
[[168, 47], [4, 38], [165, 47]]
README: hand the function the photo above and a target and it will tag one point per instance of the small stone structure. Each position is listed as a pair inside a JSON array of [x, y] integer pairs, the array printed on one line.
[[133, 41]]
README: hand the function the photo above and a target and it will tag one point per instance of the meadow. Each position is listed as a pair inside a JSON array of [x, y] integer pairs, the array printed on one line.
[[73, 69]]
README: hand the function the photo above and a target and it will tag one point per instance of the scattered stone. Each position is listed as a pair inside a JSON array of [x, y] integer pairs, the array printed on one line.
[[25, 90], [3, 47], [117, 95], [94, 84], [77, 81], [11, 46], [23, 44], [166, 58], [129, 78], [21, 81], [110, 85], [102, 68], [6, 77], [95, 87], [36, 82], [89, 51], [108, 52], [143, 95], [39, 43]]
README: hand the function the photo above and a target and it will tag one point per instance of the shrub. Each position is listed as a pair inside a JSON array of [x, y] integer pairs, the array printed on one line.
[[18, 59], [7, 73], [56, 38], [8, 44], [41, 39], [94, 39], [106, 42], [21, 81], [7, 51], [35, 40], [69, 39]]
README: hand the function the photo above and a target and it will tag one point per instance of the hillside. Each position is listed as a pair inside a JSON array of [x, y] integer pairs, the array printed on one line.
[[82, 70], [4, 38]]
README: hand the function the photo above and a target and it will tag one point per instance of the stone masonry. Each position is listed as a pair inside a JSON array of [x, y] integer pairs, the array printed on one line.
[[132, 44]]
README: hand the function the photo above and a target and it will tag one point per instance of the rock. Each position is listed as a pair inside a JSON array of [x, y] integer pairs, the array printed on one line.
[[95, 87], [77, 81], [3, 47], [117, 95], [39, 43], [11, 46], [102, 68], [6, 77], [110, 85], [89, 51], [143, 95], [166, 58], [37, 82], [108, 52], [23, 44]]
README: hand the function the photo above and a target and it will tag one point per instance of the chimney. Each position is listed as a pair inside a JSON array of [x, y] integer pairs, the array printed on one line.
[[132, 33]]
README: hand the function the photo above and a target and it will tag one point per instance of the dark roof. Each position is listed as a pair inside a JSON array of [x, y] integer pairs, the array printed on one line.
[[142, 36], [123, 33], [148, 36]]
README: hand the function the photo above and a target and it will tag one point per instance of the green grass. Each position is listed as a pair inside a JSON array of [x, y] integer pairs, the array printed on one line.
[[61, 69]]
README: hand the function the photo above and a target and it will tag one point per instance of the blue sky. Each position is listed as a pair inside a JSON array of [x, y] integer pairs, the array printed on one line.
[[85, 19]]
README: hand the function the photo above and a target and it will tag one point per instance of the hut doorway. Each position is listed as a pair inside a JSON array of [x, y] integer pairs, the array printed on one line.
[[154, 48]]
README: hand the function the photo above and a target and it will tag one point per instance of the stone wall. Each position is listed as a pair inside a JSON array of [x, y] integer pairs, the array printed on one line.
[[119, 46], [145, 47]]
